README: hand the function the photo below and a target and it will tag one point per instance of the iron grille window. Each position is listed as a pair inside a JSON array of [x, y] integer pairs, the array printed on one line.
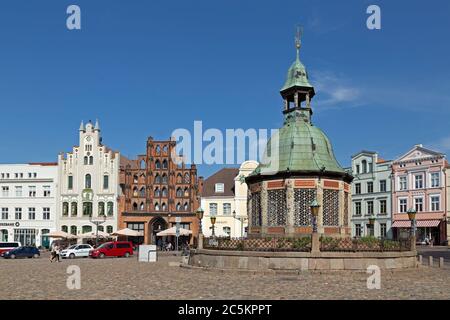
[[302, 201], [256, 209], [330, 207], [276, 207]]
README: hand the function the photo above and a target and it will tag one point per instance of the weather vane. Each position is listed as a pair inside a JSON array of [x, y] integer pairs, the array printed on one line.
[[298, 37]]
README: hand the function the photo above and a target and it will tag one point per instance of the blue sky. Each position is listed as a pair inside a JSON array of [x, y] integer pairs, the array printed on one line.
[[148, 67]]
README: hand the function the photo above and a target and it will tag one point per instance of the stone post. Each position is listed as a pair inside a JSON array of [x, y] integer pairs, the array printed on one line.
[[290, 206], [441, 262], [315, 242], [430, 261], [264, 217], [320, 201], [413, 243], [200, 241], [420, 259]]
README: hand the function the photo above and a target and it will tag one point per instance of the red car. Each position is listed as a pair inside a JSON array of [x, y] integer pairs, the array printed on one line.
[[113, 249]]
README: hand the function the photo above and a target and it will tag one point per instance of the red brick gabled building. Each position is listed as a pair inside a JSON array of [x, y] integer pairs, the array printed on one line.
[[157, 190]]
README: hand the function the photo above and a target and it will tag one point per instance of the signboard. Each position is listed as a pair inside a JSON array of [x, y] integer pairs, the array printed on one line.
[[147, 253]]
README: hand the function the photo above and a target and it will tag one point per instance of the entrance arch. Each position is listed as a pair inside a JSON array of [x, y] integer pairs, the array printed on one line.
[[156, 225]]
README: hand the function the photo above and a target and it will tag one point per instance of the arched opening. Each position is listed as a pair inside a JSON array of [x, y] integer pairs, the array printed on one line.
[[164, 164], [179, 192], [142, 164], [156, 225], [179, 178], [158, 164], [135, 206], [164, 192], [157, 192], [88, 181]]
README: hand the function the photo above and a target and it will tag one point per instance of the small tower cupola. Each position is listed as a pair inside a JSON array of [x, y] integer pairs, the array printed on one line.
[[297, 88]]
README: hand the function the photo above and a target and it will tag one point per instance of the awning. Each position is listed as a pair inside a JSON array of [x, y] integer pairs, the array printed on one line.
[[419, 223]]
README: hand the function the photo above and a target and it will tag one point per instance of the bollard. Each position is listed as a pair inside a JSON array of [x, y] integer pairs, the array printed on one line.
[[441, 262], [420, 259], [430, 259]]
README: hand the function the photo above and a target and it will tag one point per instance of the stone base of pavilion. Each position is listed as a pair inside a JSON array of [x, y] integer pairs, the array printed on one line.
[[301, 261]]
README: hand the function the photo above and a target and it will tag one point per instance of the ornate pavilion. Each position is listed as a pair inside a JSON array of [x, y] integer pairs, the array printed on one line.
[[298, 167]]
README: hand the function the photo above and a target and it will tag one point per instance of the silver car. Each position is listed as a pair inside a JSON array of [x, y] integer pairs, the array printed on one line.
[[77, 251]]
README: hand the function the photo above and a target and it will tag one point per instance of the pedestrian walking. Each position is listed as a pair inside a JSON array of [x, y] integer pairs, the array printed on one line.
[[54, 254]]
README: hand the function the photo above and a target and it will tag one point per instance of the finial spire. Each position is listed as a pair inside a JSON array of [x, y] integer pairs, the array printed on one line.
[[82, 126], [298, 41]]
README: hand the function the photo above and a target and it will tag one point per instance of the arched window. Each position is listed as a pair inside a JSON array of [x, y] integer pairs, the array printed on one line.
[[178, 206], [157, 179], [158, 149], [85, 161], [135, 179], [165, 149], [135, 192], [142, 192], [74, 209], [110, 209], [135, 206], [158, 164], [164, 179], [87, 181], [142, 165], [164, 192], [157, 192], [163, 207], [164, 164], [179, 192], [186, 192], [64, 228], [179, 178], [101, 208], [186, 206], [187, 178], [65, 209], [142, 206], [156, 206], [87, 208], [91, 160], [364, 166], [73, 230]]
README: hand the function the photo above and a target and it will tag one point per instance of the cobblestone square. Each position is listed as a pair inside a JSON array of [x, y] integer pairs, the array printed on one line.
[[121, 278]]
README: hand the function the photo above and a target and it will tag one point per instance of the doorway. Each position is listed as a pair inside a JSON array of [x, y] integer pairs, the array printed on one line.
[[158, 224]]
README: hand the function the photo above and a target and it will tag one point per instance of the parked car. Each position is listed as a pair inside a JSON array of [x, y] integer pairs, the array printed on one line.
[[22, 252], [76, 251], [113, 249], [7, 246]]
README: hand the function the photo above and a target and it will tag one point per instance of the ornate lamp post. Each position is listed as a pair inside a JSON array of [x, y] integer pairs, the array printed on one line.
[[97, 223], [315, 212], [199, 214], [213, 222], [412, 217]]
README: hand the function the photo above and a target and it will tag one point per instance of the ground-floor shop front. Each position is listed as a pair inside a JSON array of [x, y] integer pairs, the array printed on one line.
[[427, 231], [27, 235]]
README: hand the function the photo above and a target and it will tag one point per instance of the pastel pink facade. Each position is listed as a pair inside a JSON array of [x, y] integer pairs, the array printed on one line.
[[419, 181]]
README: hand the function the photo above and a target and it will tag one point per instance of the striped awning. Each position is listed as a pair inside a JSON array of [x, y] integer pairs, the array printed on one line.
[[419, 223]]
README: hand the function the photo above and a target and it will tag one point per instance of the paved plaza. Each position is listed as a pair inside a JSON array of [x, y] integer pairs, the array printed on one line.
[[121, 278]]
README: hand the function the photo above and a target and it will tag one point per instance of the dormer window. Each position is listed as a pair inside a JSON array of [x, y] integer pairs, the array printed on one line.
[[219, 188]]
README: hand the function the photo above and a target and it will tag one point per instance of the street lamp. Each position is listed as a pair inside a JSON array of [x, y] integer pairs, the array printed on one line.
[[315, 212], [97, 223], [199, 214], [213, 222], [412, 217]]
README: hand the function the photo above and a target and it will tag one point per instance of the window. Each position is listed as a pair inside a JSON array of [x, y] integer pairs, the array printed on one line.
[[219, 187], [74, 209], [18, 214], [402, 183], [186, 192], [47, 191], [383, 206], [73, 230], [135, 192], [135, 206], [370, 167], [382, 185], [157, 192], [142, 206], [435, 183], [164, 179], [101, 208], [163, 207], [179, 192], [5, 214], [70, 182], [358, 188], [164, 192], [418, 181], [187, 178], [87, 208], [88, 181], [418, 202], [213, 209], [370, 187], [164, 164], [157, 179], [91, 160], [85, 161], [142, 192], [110, 209], [227, 230], [227, 208], [46, 214], [156, 206], [64, 228], [383, 230], [109, 229], [358, 230], [369, 207], [402, 205], [32, 191], [105, 181], [135, 179], [65, 209], [158, 149], [179, 178], [5, 191], [186, 206], [357, 169], [364, 166], [31, 213], [18, 191], [435, 203], [358, 208], [158, 164], [178, 206]]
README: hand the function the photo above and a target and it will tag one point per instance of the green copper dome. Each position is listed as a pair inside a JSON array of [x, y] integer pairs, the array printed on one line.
[[297, 76], [299, 147]]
